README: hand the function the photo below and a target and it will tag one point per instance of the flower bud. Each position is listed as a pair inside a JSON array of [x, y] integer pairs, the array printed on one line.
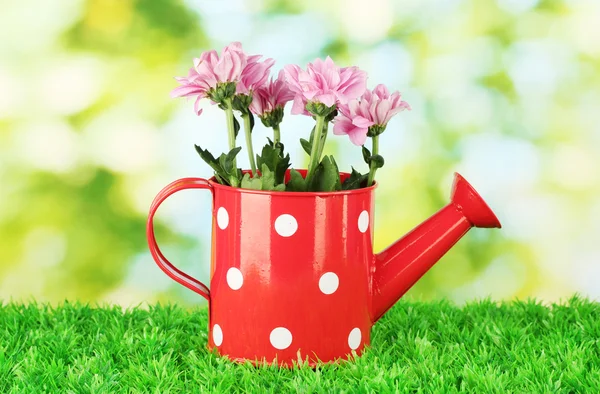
[[241, 102], [377, 161], [272, 118], [375, 130], [319, 109], [223, 91]]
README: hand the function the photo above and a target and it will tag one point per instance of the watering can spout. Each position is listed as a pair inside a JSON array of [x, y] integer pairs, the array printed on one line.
[[401, 265]]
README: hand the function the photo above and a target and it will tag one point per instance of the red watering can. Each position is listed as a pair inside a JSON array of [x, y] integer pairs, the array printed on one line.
[[293, 274]]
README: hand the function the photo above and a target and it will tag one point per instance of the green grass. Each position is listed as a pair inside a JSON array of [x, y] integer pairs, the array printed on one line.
[[483, 347]]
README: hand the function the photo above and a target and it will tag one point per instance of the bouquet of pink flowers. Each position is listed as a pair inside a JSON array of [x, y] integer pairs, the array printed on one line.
[[239, 82]]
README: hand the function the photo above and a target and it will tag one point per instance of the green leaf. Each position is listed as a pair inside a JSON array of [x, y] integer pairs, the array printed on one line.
[[338, 182], [236, 126], [223, 166], [265, 181], [251, 121], [268, 156], [326, 177], [271, 156], [251, 183], [330, 180], [315, 183], [268, 178], [213, 163], [277, 145], [221, 180], [307, 146], [355, 180], [281, 148], [223, 163], [296, 183], [226, 161], [366, 155], [206, 155], [312, 135], [282, 166], [234, 174], [231, 155]]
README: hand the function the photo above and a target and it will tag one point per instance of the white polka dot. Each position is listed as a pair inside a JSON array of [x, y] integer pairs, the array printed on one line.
[[329, 283], [235, 279], [286, 225], [354, 338], [281, 338], [222, 218], [217, 335], [363, 221]]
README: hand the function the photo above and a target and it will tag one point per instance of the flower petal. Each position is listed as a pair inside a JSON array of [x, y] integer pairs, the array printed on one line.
[[197, 108], [256, 74], [327, 99], [299, 107], [310, 94], [234, 46], [353, 85], [342, 125], [254, 58], [292, 74], [381, 111], [241, 88], [344, 110], [186, 90], [361, 122], [353, 106], [381, 91], [239, 63], [358, 136], [257, 105], [211, 57]]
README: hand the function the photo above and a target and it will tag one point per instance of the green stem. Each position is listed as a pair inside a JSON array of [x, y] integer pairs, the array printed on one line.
[[231, 132], [248, 132], [230, 129], [372, 170], [314, 151], [276, 134], [323, 138]]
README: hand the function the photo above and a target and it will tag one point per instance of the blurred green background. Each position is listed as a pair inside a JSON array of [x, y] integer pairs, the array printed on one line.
[[505, 92]]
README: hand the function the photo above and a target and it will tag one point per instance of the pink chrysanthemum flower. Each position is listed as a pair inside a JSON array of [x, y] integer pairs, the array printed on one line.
[[271, 96], [254, 75], [210, 71], [324, 83], [217, 77], [369, 115]]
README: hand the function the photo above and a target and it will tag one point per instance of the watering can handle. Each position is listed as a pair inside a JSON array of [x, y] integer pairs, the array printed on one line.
[[164, 264]]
